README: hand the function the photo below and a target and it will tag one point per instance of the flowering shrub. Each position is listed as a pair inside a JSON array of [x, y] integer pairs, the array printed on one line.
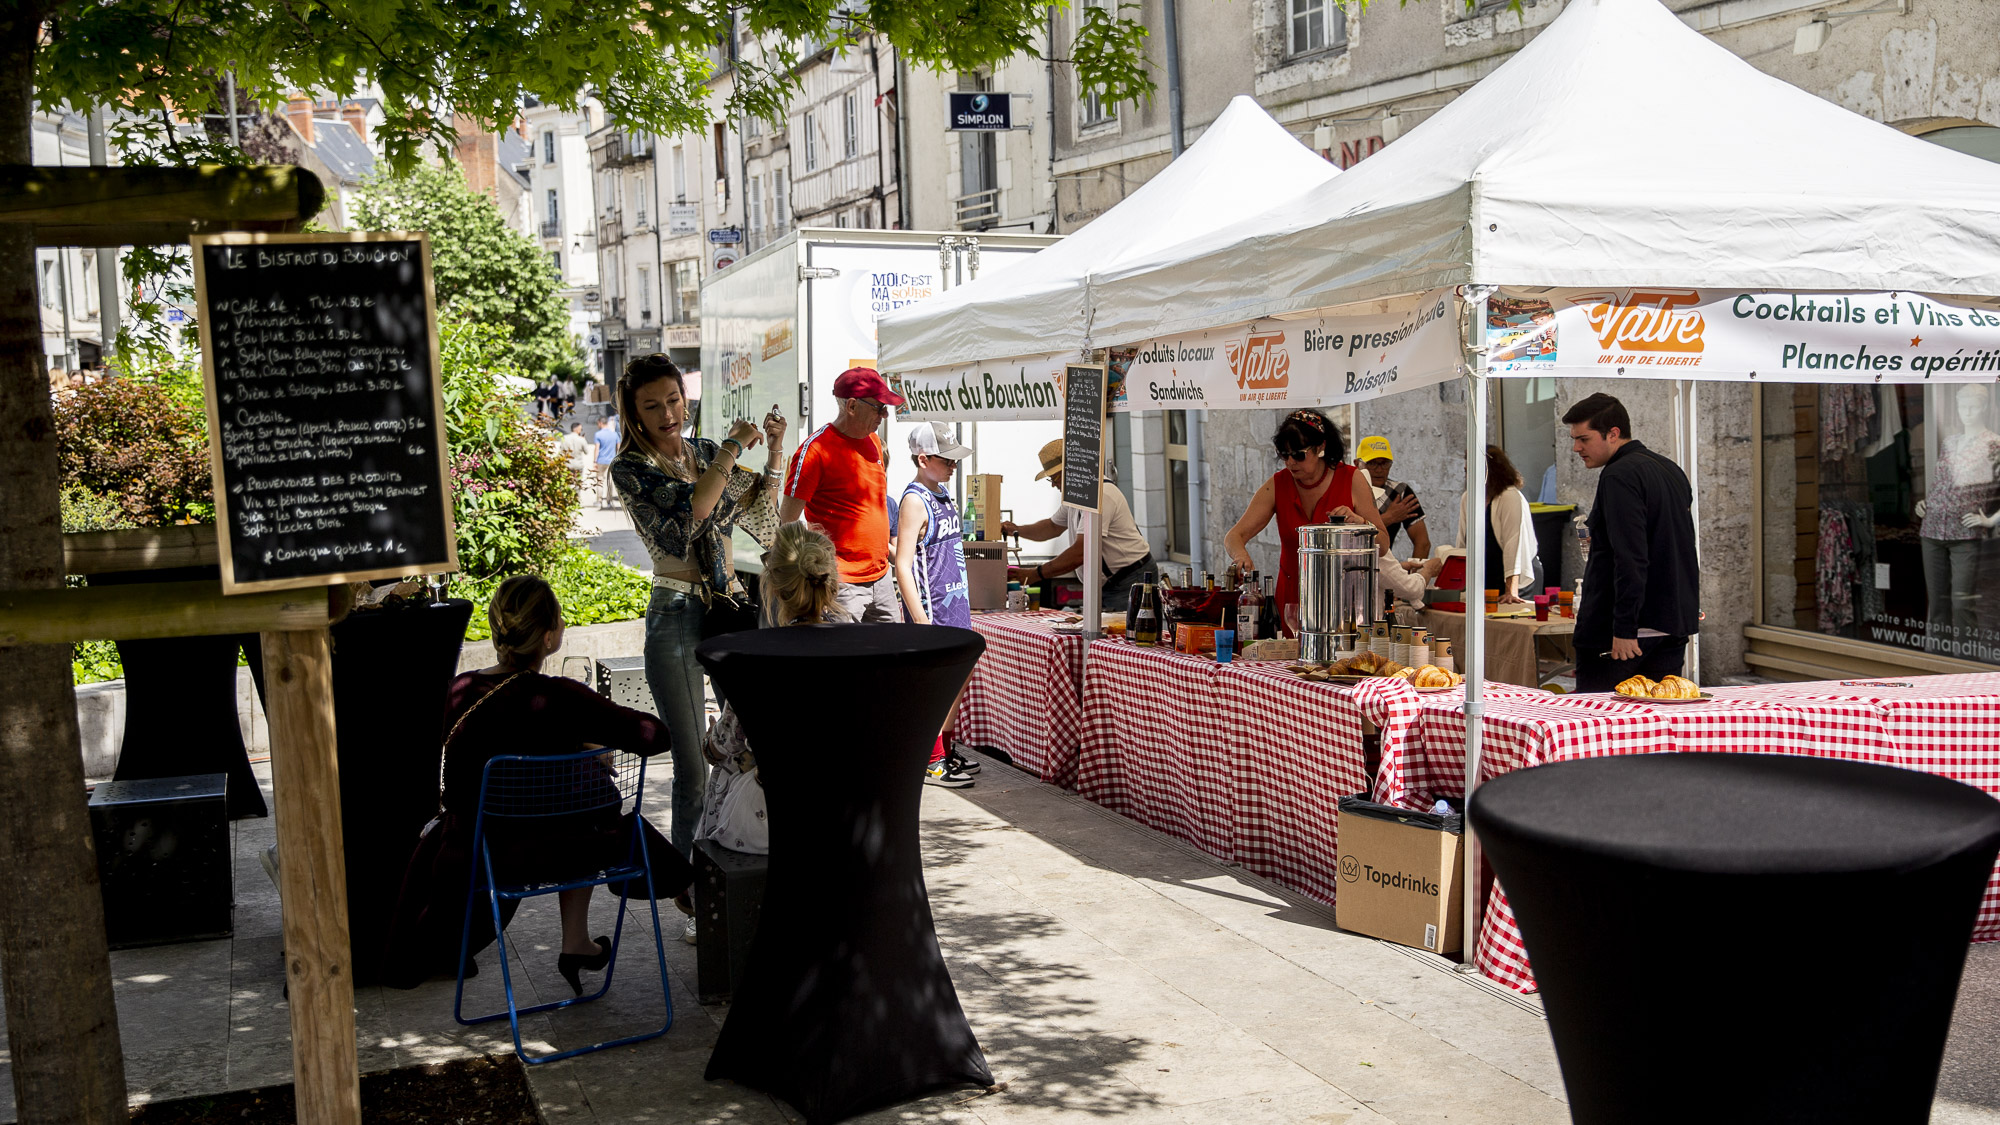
[[514, 497], [137, 444]]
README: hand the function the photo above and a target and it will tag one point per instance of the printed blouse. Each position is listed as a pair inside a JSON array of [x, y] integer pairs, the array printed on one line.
[[662, 509], [1963, 484]]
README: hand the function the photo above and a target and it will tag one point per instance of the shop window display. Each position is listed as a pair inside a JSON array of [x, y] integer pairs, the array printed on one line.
[[1888, 513]]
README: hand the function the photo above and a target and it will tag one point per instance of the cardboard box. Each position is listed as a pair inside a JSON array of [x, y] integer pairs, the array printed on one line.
[[1194, 639], [986, 574], [982, 505], [1402, 875]]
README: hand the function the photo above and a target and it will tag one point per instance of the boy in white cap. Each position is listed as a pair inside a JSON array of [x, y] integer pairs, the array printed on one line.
[[930, 566]]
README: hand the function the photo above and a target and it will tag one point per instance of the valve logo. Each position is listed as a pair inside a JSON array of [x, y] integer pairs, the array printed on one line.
[[1647, 320], [1350, 869], [1260, 363]]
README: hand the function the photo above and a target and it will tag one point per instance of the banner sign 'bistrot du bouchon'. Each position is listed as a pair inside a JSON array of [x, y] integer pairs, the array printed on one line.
[[325, 412]]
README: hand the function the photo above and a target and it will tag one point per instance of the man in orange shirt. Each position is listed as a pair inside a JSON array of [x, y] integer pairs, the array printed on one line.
[[838, 481]]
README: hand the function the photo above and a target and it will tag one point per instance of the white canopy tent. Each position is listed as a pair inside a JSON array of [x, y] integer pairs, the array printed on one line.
[[1621, 151], [1244, 163]]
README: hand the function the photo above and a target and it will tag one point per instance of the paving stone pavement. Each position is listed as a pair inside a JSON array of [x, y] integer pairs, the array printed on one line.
[[1109, 972]]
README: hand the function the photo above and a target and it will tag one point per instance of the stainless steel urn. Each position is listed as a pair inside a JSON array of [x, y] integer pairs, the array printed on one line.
[[1336, 586]]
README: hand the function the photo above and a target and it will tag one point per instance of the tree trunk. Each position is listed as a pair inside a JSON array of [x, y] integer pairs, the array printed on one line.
[[62, 1025]]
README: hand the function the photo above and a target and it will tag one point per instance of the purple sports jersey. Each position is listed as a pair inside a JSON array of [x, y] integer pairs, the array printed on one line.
[[939, 563]]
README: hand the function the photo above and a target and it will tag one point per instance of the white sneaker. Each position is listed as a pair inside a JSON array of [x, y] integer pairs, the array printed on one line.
[[687, 932]]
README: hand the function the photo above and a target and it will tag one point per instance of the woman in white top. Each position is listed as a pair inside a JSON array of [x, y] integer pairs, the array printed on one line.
[[1510, 532]]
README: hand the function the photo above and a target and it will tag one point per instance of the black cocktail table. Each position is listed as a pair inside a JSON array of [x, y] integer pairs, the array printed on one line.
[[1670, 903], [845, 1003]]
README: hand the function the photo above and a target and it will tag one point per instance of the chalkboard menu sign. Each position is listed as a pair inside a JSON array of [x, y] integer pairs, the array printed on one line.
[[325, 415], [1083, 434]]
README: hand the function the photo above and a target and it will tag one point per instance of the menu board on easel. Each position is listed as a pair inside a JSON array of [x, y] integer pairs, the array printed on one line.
[[1083, 434], [325, 408]]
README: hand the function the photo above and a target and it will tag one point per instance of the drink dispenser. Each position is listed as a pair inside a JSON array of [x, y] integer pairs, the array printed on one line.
[[1337, 592]]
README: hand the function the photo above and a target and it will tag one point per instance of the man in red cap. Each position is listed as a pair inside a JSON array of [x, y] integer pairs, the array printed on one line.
[[838, 481]]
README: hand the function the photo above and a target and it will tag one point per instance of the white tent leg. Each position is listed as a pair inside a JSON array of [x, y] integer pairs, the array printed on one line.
[[1474, 661], [1690, 429], [1091, 572]]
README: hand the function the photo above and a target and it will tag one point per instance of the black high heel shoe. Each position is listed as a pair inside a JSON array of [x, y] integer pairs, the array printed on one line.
[[573, 965]]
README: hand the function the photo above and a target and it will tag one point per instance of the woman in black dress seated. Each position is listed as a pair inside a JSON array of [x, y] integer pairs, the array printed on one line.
[[512, 708]]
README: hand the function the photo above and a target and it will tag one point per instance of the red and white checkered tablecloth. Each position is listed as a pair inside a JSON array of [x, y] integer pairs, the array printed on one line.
[[1024, 696], [1298, 749], [1948, 725], [1155, 746]]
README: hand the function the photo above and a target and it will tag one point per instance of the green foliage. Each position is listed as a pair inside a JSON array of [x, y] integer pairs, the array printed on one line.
[[1121, 43], [648, 63], [84, 510], [93, 662], [485, 272], [591, 588], [137, 444], [514, 497]]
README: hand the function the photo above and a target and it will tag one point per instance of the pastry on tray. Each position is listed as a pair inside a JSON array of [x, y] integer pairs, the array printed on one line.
[[1432, 676], [1638, 686], [1673, 687]]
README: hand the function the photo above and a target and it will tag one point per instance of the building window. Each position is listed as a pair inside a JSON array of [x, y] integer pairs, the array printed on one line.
[[753, 200], [555, 259], [680, 175], [722, 161], [555, 212], [548, 146], [850, 126], [1092, 108], [812, 142], [840, 220], [781, 203], [645, 294], [686, 280], [1180, 534], [1316, 25], [49, 283], [978, 204], [753, 126]]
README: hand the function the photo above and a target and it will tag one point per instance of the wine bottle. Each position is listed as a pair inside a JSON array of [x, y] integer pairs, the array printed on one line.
[[1146, 623], [1249, 613]]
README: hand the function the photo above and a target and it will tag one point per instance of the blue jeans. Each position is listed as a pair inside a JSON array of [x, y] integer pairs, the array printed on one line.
[[673, 628]]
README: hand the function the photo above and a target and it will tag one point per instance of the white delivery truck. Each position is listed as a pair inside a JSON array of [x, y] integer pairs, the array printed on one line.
[[782, 324]]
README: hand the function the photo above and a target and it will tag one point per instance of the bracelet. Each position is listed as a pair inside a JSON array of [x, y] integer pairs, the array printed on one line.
[[739, 447], [1039, 576]]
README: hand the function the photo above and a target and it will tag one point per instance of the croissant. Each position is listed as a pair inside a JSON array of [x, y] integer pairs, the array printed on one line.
[[1432, 676], [1674, 687], [1638, 686]]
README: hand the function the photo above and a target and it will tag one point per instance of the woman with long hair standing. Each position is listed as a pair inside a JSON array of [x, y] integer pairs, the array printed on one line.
[[686, 497], [1510, 531]]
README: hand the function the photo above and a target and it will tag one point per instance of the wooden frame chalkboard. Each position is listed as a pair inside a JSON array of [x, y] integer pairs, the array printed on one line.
[[1083, 435], [325, 405]]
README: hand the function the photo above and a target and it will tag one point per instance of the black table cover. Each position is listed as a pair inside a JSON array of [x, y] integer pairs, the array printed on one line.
[[392, 667], [1742, 937], [846, 1004], [180, 703]]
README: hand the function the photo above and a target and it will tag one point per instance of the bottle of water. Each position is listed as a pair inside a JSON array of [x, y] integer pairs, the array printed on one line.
[[1582, 551]]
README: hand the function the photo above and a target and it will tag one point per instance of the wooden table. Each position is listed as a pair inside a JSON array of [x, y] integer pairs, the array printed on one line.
[[1514, 645]]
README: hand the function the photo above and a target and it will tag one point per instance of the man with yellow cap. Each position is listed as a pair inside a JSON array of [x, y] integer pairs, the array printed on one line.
[[1395, 499], [1124, 554]]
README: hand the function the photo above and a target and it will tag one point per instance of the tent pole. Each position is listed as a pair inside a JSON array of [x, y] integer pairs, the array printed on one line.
[[1691, 428], [1475, 600], [1091, 574]]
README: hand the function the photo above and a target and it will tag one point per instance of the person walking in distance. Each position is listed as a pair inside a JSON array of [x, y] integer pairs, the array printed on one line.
[[576, 450], [838, 481], [607, 452], [1642, 585], [930, 568]]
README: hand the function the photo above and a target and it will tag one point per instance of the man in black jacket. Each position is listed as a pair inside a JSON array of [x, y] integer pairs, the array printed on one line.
[[1641, 588]]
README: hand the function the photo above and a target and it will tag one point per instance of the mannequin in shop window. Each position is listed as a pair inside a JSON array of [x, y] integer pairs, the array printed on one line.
[[1962, 508]]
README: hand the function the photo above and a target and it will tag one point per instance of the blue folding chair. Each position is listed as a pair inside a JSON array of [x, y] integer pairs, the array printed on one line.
[[518, 791]]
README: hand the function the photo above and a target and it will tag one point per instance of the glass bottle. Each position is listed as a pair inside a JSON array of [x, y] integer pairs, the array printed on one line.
[[1145, 628]]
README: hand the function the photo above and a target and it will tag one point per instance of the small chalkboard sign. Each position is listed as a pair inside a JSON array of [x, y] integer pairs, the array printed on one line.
[[1083, 434], [325, 408]]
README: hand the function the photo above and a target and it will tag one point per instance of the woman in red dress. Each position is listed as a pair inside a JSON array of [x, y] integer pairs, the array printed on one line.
[[1315, 486]]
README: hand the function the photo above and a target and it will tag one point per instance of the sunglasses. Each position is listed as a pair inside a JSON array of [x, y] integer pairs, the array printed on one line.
[[1292, 454], [873, 405]]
